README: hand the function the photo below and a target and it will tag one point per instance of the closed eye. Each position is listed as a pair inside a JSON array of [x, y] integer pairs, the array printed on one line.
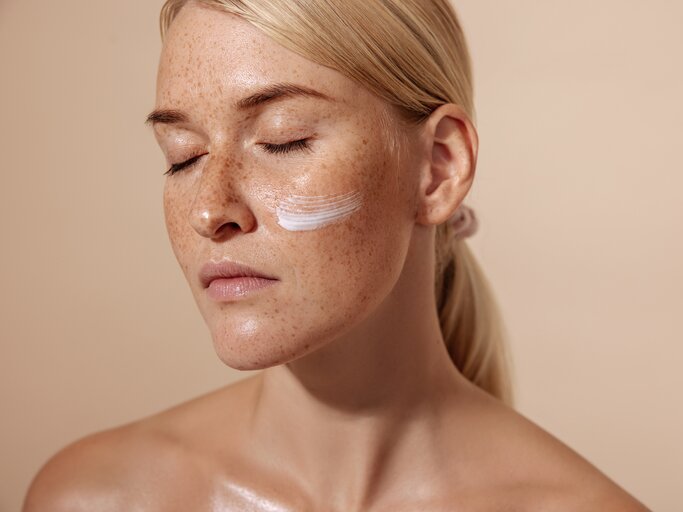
[[300, 144], [187, 163]]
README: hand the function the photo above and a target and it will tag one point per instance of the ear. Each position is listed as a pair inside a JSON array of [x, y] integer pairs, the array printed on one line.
[[448, 167]]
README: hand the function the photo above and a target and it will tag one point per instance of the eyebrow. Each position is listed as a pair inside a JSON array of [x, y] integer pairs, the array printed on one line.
[[260, 97]]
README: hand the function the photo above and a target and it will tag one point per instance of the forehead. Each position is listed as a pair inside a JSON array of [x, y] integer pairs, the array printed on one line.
[[209, 54]]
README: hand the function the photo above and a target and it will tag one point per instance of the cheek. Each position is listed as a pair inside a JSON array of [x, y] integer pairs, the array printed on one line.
[[356, 261], [348, 234], [176, 206]]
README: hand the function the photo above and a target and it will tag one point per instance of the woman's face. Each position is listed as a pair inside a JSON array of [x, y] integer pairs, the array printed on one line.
[[330, 218]]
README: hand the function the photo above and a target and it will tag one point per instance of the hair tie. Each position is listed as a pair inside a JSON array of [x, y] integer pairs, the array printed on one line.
[[464, 222]]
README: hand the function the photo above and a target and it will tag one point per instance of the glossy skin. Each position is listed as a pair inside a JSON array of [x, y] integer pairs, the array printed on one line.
[[359, 407]]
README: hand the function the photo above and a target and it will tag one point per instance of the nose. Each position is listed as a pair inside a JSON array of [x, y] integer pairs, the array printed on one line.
[[219, 208]]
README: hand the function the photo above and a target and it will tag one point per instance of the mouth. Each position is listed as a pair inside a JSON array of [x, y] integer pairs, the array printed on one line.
[[230, 280]]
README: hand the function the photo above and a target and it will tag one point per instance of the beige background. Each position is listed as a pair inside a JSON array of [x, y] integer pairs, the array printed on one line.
[[578, 191]]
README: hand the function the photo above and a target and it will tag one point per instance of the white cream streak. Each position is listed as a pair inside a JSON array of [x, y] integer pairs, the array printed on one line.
[[303, 213]]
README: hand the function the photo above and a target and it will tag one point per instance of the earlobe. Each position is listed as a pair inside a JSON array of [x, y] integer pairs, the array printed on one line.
[[449, 173]]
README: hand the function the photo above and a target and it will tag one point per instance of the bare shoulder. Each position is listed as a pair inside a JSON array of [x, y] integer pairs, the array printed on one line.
[[147, 464], [108, 470], [538, 470], [607, 497], [576, 496]]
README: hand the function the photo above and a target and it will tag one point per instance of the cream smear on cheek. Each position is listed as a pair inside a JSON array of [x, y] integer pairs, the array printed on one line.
[[304, 213]]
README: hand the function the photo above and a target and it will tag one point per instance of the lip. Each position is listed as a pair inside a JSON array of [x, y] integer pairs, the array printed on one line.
[[227, 270]]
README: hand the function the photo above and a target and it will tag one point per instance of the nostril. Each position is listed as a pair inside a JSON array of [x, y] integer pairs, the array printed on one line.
[[227, 228]]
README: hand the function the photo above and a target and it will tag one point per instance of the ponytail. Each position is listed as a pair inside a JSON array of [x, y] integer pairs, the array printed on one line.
[[470, 320]]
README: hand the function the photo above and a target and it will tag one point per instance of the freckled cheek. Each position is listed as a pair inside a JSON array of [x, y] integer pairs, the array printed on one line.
[[355, 258], [345, 268], [176, 207]]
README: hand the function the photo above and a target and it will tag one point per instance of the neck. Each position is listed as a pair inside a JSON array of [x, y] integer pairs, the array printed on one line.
[[366, 406]]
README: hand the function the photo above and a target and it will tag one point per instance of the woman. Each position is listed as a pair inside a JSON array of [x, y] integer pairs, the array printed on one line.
[[319, 155]]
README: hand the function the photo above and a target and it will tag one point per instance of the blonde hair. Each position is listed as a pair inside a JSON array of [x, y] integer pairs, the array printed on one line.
[[413, 54]]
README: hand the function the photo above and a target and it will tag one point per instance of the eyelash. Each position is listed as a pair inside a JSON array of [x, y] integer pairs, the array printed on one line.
[[300, 145], [177, 167]]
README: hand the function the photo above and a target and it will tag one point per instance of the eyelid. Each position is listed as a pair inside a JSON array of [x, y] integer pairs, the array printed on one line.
[[182, 165]]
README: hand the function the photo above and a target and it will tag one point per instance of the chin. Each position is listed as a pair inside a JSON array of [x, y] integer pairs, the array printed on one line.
[[257, 352]]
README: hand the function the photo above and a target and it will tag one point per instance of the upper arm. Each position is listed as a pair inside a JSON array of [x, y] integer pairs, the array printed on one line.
[[47, 490]]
